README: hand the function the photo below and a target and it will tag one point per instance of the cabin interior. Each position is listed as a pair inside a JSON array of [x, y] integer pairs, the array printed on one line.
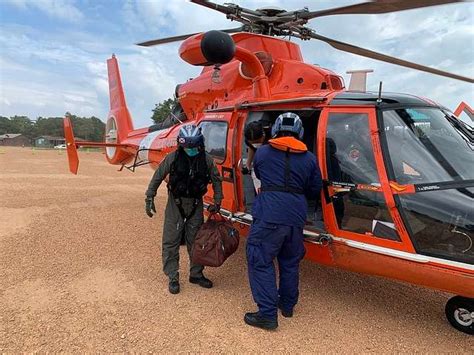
[[310, 120]]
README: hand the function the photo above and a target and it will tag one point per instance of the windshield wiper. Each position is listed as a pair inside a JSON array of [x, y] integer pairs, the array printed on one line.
[[468, 131]]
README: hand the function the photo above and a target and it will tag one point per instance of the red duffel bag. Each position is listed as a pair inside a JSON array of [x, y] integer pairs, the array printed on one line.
[[215, 241]]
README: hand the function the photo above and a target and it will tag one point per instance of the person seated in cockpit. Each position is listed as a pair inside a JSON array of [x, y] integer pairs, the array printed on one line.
[[357, 158]]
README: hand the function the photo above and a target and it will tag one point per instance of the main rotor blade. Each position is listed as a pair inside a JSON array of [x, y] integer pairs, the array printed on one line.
[[155, 42], [375, 7], [231, 9], [346, 47], [211, 5]]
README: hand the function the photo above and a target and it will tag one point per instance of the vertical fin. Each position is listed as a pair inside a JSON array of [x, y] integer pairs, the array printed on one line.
[[118, 105]]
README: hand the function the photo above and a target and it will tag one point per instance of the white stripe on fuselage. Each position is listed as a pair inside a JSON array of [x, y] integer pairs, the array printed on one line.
[[400, 254], [146, 143]]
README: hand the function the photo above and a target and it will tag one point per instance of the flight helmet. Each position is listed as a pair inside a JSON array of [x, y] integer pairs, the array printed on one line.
[[288, 122], [190, 136]]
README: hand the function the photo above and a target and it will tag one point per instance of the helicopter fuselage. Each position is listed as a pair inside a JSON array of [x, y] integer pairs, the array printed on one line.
[[398, 191]]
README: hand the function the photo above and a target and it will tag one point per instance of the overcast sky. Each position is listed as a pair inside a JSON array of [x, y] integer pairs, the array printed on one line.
[[53, 52]]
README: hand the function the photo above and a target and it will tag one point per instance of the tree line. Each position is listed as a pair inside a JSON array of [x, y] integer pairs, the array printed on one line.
[[88, 128]]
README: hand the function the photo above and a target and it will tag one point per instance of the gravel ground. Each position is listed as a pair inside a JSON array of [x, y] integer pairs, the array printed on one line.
[[80, 270]]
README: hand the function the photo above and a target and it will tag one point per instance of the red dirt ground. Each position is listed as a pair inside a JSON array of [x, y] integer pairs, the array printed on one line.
[[80, 270]]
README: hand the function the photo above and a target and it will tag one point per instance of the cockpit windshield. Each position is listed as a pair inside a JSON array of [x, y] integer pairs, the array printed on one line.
[[426, 146]]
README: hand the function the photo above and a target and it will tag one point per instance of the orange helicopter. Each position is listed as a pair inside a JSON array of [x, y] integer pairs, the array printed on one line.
[[398, 170]]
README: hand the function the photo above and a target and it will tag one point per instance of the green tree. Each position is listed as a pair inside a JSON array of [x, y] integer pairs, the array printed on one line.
[[5, 125], [23, 125], [88, 128], [163, 109], [49, 126]]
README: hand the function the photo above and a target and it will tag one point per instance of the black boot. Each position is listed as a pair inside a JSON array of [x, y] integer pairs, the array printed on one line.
[[285, 313], [173, 286], [256, 320], [201, 281]]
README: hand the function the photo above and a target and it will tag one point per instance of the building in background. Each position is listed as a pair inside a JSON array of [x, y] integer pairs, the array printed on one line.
[[15, 140], [51, 141], [48, 141]]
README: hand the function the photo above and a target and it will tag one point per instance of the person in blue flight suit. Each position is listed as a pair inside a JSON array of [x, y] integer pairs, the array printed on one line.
[[289, 174]]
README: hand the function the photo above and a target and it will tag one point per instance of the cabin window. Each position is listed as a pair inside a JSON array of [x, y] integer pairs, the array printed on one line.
[[350, 159], [215, 139]]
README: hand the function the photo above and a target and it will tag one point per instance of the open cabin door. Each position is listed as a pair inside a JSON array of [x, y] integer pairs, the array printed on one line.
[[357, 201], [248, 183], [218, 131]]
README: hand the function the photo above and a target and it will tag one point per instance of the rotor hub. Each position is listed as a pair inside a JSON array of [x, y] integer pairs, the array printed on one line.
[[271, 10]]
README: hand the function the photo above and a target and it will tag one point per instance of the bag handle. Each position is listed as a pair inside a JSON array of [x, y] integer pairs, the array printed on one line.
[[216, 216]]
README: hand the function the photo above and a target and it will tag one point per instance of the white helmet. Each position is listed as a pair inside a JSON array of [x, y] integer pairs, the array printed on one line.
[[288, 122]]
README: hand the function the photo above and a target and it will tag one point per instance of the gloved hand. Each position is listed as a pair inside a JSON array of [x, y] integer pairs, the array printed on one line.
[[150, 206], [245, 170], [214, 208]]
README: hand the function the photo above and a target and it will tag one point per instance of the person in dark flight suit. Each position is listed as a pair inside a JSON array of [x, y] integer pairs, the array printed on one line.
[[190, 170], [289, 174]]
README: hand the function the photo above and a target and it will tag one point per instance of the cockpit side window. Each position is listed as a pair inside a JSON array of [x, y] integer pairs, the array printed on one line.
[[349, 149], [215, 139], [350, 159]]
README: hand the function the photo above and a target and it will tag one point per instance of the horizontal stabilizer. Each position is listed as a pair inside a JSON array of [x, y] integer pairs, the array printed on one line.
[[72, 145], [72, 156]]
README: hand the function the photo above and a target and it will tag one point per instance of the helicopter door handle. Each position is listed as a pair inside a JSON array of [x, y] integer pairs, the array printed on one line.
[[327, 198], [228, 174], [239, 164]]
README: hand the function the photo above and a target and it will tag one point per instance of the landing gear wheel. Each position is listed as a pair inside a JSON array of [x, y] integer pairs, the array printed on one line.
[[460, 313]]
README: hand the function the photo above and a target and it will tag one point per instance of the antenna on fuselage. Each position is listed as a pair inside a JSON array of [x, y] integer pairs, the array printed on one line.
[[176, 117], [379, 99]]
